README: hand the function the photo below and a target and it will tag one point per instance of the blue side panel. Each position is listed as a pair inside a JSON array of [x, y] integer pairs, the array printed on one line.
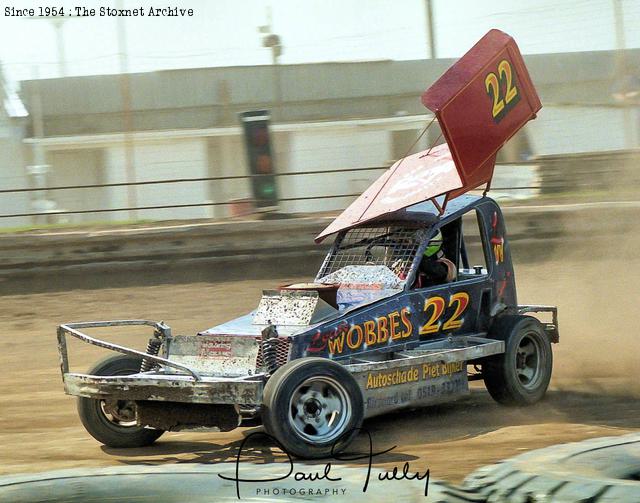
[[415, 316], [498, 253], [398, 322]]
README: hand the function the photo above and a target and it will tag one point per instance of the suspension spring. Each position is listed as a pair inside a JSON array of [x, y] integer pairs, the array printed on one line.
[[153, 348], [269, 345]]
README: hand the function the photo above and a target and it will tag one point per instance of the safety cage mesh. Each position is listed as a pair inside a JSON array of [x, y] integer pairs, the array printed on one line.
[[391, 245]]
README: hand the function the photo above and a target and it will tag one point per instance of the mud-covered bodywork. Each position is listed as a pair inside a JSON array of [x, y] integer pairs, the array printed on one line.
[[378, 309], [373, 318], [373, 331]]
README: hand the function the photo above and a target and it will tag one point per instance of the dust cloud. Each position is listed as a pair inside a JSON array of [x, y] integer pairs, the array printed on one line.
[[594, 282]]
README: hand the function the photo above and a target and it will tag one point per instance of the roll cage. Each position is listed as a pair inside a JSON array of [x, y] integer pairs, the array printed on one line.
[[399, 243]]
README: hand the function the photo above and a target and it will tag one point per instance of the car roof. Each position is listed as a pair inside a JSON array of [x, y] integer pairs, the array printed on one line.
[[427, 214], [460, 204]]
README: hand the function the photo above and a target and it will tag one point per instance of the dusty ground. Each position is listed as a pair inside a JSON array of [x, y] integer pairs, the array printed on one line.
[[593, 392]]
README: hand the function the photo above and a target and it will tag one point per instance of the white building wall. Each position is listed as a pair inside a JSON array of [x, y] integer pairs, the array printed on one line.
[[332, 150], [76, 167], [13, 175], [157, 161], [227, 158], [575, 129], [298, 148], [116, 197], [12, 203]]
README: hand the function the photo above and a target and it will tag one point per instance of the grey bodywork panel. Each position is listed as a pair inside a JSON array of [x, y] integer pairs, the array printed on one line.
[[216, 355], [290, 307], [427, 375], [171, 388], [244, 325], [254, 324]]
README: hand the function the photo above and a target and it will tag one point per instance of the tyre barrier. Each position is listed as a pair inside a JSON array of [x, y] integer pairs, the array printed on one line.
[[599, 470], [200, 483]]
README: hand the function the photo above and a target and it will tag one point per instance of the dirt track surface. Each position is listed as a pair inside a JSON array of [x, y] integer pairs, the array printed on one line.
[[593, 391]]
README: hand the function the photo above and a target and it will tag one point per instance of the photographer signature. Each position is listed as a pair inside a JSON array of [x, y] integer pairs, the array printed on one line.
[[325, 474]]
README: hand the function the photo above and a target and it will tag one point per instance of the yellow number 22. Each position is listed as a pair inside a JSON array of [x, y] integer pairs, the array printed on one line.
[[502, 90]]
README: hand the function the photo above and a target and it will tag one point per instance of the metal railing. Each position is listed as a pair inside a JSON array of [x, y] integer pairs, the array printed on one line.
[[196, 180], [176, 181]]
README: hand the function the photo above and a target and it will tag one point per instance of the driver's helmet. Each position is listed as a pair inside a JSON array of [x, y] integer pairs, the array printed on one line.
[[434, 246]]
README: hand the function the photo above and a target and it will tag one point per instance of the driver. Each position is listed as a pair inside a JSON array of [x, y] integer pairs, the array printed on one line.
[[434, 267]]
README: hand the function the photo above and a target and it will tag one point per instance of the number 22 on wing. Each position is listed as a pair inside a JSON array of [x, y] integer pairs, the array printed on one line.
[[434, 308], [502, 89]]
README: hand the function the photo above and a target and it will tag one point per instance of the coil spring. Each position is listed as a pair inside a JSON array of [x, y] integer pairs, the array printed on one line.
[[270, 355], [153, 348], [270, 349]]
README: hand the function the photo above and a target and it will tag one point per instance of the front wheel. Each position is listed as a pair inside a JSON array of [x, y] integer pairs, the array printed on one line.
[[313, 407], [113, 422], [521, 375]]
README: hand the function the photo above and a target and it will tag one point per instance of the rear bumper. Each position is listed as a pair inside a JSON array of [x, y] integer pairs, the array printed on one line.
[[550, 328], [169, 388]]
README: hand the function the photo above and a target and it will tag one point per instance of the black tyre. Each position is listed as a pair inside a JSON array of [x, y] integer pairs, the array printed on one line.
[[311, 406], [598, 470], [113, 422], [521, 375]]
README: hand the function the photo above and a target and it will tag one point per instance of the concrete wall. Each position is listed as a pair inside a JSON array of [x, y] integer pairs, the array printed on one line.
[[157, 161], [221, 153], [268, 248], [78, 167], [180, 159], [331, 150], [227, 157], [297, 148], [13, 173]]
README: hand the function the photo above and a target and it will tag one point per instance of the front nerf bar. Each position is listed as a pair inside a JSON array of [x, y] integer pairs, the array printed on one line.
[[160, 330]]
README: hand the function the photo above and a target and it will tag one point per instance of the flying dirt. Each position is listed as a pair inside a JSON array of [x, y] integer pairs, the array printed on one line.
[[593, 392]]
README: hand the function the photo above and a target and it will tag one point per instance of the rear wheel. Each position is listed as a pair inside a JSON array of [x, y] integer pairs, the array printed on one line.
[[311, 406], [113, 422], [521, 375]]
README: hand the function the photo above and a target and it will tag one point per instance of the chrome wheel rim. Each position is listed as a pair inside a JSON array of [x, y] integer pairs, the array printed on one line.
[[119, 412], [529, 362], [319, 409]]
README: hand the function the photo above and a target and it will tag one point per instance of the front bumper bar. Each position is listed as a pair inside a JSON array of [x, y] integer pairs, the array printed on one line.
[[170, 388], [189, 386], [160, 330]]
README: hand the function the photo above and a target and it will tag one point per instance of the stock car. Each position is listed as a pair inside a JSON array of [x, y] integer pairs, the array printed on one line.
[[366, 336]]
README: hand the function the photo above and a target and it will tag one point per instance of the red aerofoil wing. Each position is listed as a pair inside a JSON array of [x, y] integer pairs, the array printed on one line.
[[480, 102]]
